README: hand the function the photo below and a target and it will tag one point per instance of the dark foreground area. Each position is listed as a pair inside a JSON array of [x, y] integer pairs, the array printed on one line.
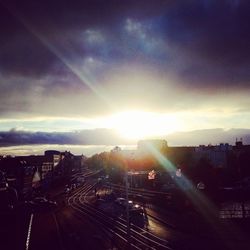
[[78, 221]]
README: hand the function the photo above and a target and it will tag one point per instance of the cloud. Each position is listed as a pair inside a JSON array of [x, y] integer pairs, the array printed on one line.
[[201, 42], [109, 137], [143, 42], [213, 40], [85, 137], [93, 37], [135, 28], [209, 136], [61, 59]]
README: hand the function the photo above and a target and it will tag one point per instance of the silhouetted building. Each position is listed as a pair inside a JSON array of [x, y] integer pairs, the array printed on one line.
[[8, 196], [79, 161], [217, 155], [51, 152], [146, 146], [14, 172]]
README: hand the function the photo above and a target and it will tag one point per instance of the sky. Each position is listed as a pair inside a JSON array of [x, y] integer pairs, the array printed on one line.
[[85, 70]]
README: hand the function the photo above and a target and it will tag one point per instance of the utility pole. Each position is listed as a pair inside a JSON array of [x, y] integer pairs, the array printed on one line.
[[242, 192], [127, 209]]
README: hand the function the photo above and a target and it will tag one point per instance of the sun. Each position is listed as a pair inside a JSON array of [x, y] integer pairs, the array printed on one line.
[[141, 125]]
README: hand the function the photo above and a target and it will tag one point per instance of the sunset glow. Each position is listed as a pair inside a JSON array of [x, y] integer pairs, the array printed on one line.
[[140, 124]]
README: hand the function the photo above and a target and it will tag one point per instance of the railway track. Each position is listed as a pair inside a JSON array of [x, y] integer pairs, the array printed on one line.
[[115, 227], [149, 194], [144, 192]]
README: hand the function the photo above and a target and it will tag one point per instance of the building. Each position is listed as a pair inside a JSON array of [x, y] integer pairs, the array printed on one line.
[[79, 162], [146, 146], [45, 165], [14, 172], [217, 155]]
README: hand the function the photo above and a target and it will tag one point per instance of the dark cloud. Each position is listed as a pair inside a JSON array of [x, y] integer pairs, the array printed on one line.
[[21, 52], [85, 137], [208, 41], [14, 137], [45, 46], [213, 37], [36, 34], [217, 31], [209, 136], [110, 137]]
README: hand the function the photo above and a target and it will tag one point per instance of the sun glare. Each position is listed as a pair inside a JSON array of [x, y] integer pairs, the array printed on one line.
[[139, 124]]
